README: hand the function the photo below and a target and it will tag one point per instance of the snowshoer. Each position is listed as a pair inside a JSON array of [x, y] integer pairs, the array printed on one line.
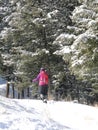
[[42, 78]]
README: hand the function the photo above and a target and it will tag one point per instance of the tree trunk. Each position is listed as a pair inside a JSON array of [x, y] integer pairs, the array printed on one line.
[[7, 90], [13, 90], [22, 94], [28, 93]]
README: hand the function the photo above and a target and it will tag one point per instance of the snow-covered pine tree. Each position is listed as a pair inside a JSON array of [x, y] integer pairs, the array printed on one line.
[[82, 43], [32, 27]]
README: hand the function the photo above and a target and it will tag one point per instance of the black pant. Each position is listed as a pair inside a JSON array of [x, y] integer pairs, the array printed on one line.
[[43, 90]]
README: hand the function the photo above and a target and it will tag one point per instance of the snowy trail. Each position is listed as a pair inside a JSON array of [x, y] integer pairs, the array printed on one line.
[[50, 124], [27, 114]]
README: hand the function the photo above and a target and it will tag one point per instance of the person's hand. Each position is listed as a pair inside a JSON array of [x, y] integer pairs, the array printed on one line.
[[33, 80]]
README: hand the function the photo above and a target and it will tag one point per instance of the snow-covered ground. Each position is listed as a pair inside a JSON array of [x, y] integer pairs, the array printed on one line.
[[29, 114], [2, 87]]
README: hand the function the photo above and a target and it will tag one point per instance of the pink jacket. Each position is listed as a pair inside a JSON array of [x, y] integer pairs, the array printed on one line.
[[42, 78]]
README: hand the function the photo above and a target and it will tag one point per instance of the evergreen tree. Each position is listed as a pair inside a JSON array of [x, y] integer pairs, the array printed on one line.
[[83, 45], [31, 29]]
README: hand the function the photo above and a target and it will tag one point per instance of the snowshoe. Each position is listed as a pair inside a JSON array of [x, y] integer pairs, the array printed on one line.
[[41, 96], [45, 100]]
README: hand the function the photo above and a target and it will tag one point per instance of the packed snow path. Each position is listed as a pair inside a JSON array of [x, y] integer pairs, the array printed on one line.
[[26, 114]]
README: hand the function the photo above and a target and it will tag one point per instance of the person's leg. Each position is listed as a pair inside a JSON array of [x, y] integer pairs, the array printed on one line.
[[45, 93], [41, 92]]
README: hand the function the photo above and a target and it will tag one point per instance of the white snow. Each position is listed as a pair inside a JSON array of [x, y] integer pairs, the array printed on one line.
[[64, 39], [29, 114], [64, 50], [53, 13]]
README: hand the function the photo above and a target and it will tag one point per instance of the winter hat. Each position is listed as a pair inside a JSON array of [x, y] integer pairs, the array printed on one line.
[[42, 69]]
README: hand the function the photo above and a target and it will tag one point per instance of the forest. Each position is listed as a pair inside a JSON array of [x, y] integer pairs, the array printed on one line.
[[59, 35]]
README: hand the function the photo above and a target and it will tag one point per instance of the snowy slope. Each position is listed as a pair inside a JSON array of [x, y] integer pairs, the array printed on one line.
[[35, 115], [2, 87], [29, 114]]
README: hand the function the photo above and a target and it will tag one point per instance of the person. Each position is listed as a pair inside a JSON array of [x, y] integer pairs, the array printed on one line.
[[43, 80]]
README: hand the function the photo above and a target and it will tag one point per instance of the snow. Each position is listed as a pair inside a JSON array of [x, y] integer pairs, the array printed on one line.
[[53, 13], [64, 50], [30, 114], [64, 39]]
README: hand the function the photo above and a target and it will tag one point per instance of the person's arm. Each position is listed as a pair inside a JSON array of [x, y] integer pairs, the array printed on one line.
[[36, 79]]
